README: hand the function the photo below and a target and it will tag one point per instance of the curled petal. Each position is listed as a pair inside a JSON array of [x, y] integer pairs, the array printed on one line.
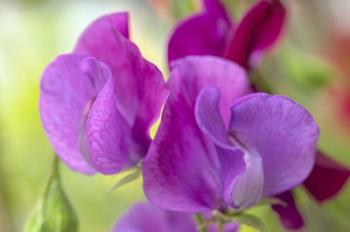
[[231, 158], [143, 217], [327, 178], [182, 170], [247, 188], [288, 211], [68, 87], [259, 30], [112, 144], [282, 133], [139, 85], [201, 34]]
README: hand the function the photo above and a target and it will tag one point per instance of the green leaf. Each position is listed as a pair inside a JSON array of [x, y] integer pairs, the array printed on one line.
[[136, 173], [53, 212]]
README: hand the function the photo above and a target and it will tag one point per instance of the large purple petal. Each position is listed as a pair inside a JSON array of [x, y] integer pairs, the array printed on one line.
[[182, 170], [139, 85], [68, 87], [288, 211], [282, 133], [143, 217], [327, 178], [259, 30], [202, 34]]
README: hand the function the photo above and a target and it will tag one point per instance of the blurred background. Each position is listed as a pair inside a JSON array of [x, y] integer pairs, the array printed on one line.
[[311, 65]]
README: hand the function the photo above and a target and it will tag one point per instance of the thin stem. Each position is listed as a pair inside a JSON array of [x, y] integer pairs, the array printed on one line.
[[201, 223]]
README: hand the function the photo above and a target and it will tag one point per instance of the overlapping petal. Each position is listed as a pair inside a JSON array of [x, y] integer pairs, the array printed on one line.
[[327, 178], [211, 124], [182, 170], [113, 144], [143, 217], [284, 135], [139, 85], [69, 86], [204, 33], [258, 30]]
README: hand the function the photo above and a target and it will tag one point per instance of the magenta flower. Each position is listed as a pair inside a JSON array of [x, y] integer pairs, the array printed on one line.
[[245, 43], [143, 217], [212, 33], [215, 149], [98, 102]]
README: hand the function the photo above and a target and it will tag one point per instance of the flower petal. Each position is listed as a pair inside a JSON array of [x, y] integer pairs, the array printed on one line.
[[327, 178], [282, 132], [139, 85], [113, 144], [193, 73], [182, 170], [68, 86], [201, 34], [259, 30], [288, 212], [231, 160], [143, 217]]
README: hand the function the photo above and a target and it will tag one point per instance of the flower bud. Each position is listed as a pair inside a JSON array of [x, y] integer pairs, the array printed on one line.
[[53, 212]]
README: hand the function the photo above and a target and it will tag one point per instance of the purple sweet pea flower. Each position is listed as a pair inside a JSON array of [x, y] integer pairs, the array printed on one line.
[[258, 31], [212, 33], [215, 149], [143, 217], [98, 103]]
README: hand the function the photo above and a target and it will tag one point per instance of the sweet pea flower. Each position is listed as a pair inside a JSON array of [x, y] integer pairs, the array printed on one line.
[[245, 43], [98, 102], [143, 217], [216, 150], [213, 33]]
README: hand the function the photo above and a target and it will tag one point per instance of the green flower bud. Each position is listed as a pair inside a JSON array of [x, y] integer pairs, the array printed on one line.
[[53, 212]]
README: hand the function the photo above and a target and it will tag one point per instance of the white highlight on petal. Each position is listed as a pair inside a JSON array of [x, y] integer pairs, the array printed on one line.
[[248, 187]]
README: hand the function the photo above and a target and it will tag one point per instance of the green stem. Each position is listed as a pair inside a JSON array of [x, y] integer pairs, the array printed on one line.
[[201, 223], [54, 174]]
